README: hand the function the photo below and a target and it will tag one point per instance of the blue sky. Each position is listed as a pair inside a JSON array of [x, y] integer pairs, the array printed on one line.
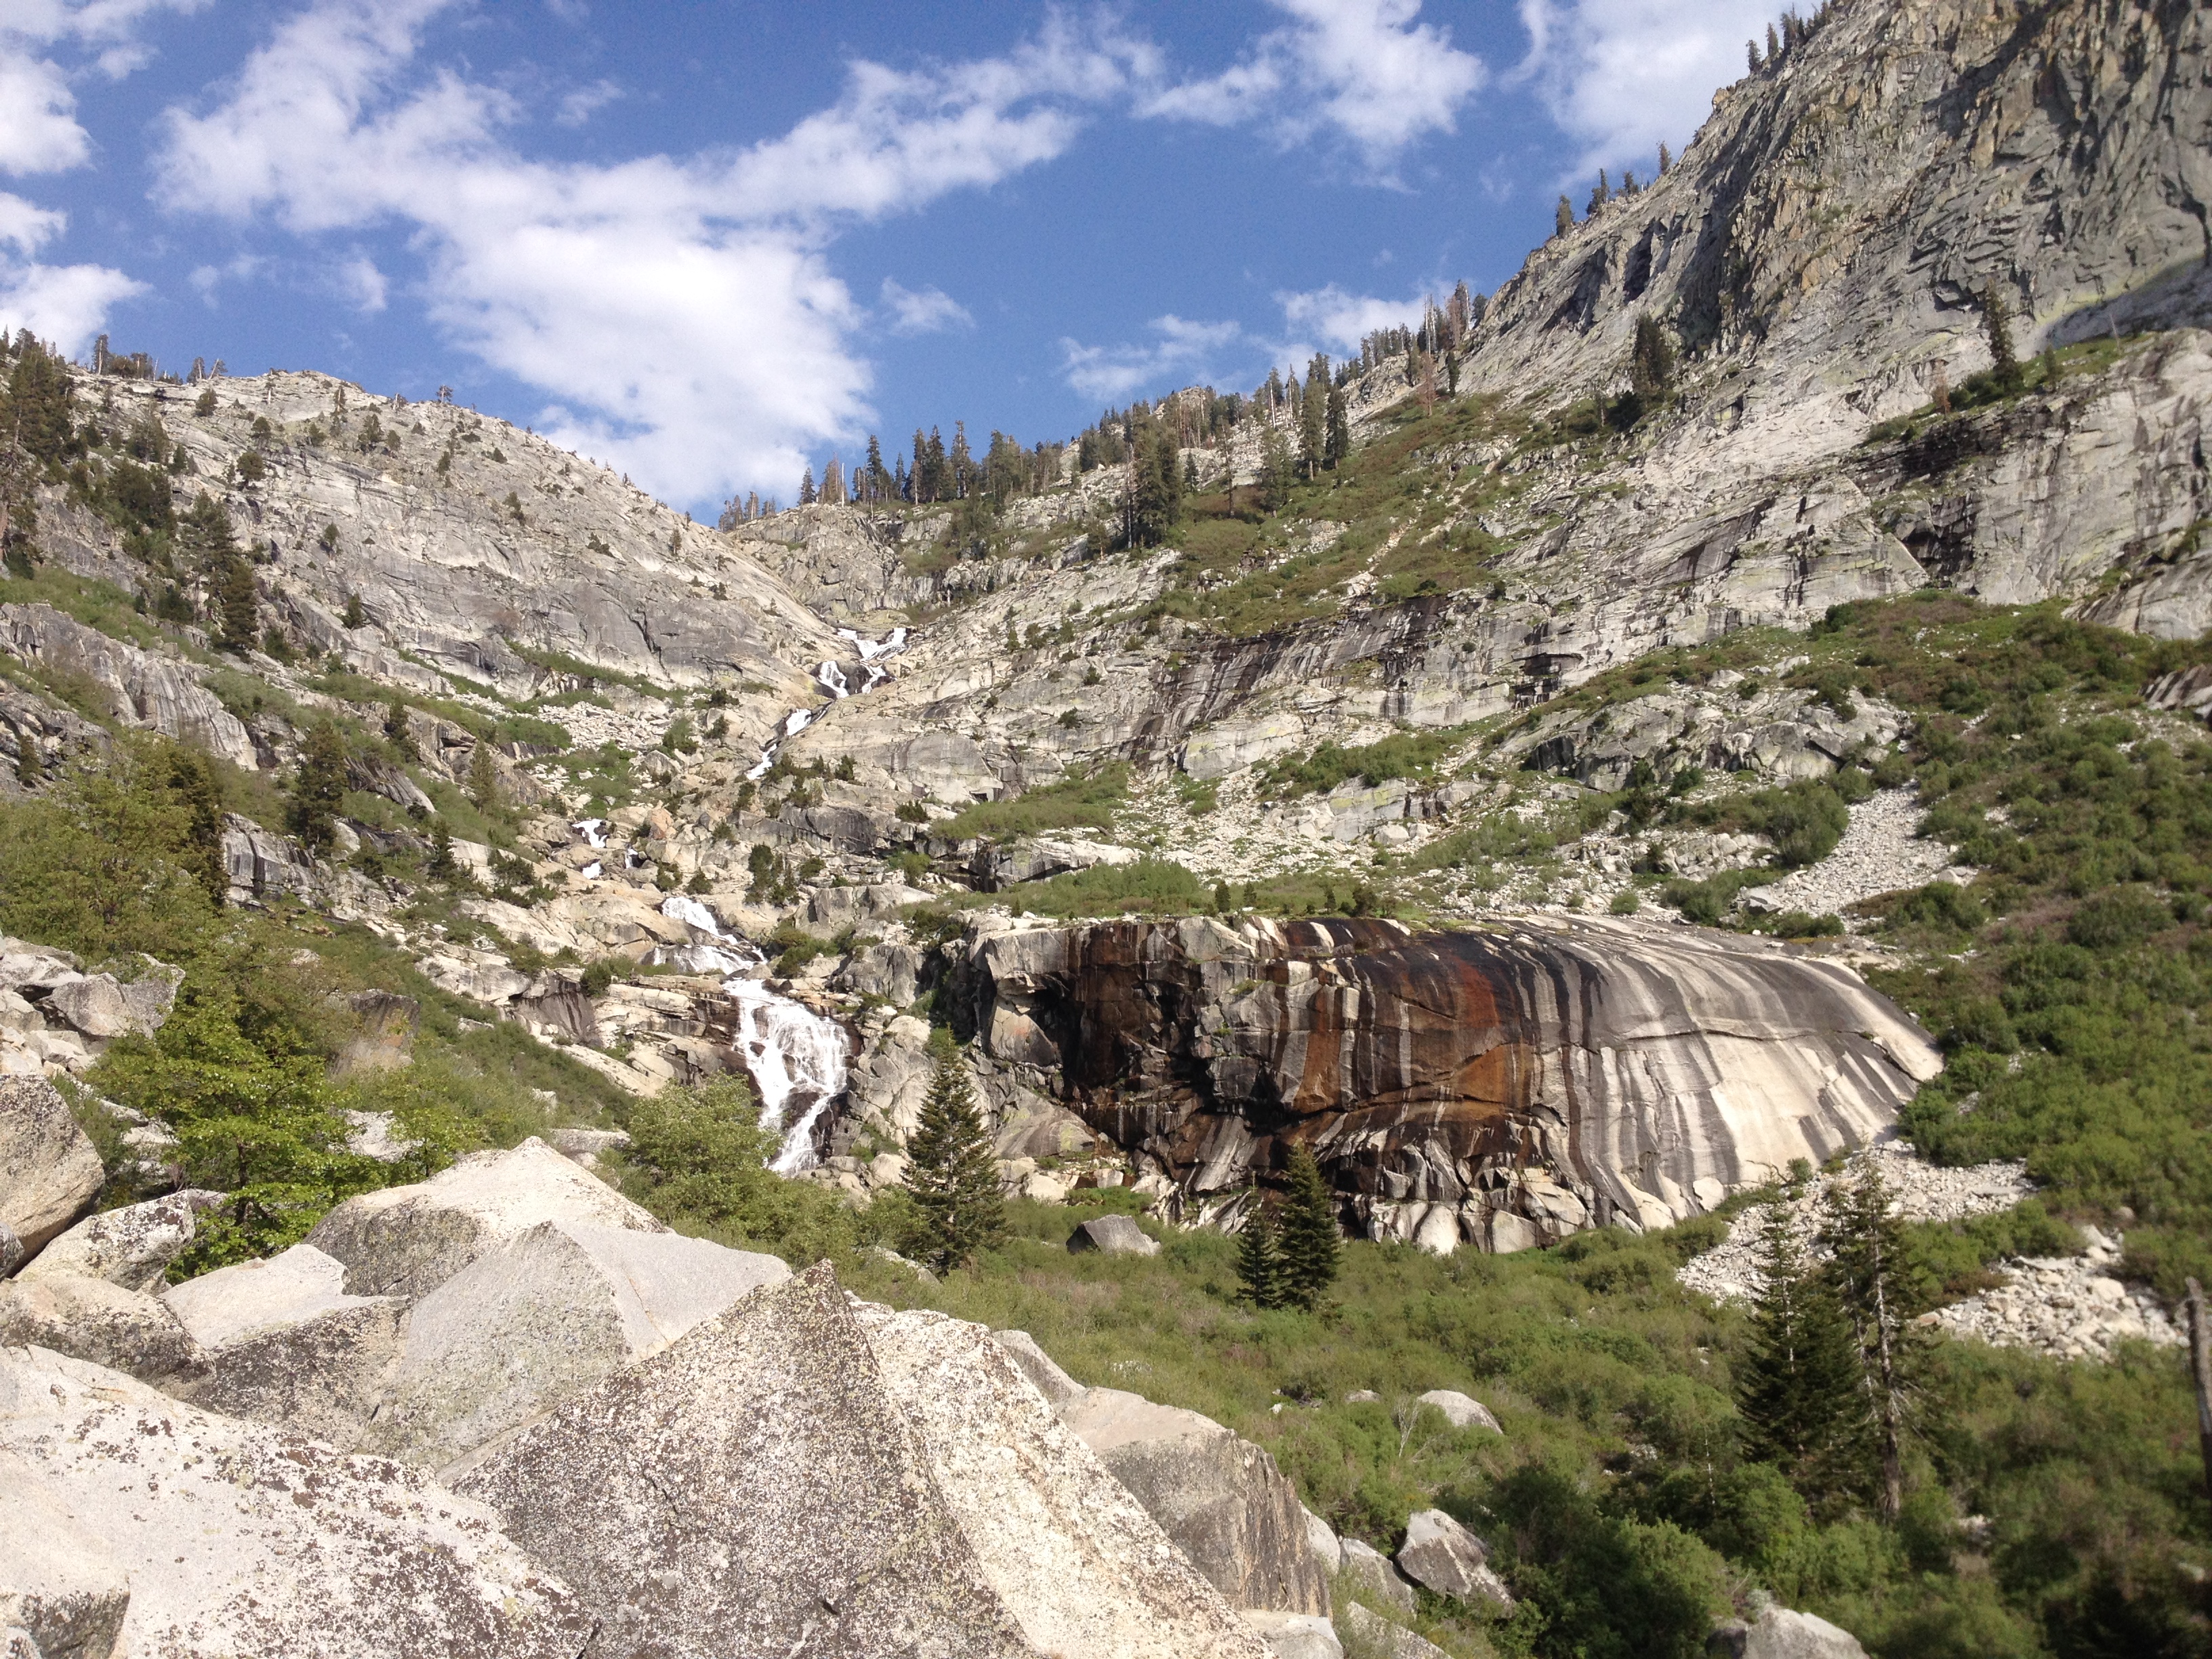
[[712, 243]]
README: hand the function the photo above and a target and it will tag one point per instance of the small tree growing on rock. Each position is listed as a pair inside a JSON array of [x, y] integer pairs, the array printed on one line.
[[952, 1175], [318, 789], [2004, 361]]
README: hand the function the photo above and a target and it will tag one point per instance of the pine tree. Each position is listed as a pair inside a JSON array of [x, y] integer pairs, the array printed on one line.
[[1601, 193], [951, 1174], [1751, 52], [318, 789], [1278, 470], [484, 782], [441, 866], [1564, 220], [1313, 417], [1873, 1284], [1309, 1247], [806, 488], [1665, 159], [396, 732], [1337, 446], [1798, 1389], [355, 615], [193, 783], [1773, 47], [1259, 1259], [1650, 365], [2004, 363], [238, 610]]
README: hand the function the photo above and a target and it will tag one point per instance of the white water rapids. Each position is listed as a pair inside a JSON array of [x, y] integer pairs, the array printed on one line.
[[795, 1057], [831, 678]]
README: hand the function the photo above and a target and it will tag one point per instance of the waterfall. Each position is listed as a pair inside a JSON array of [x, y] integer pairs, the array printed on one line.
[[795, 1057], [832, 678]]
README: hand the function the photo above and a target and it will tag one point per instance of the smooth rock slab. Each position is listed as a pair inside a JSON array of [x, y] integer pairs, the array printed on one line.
[[1084, 1569], [132, 1246], [405, 1241], [1112, 1234], [1448, 1558], [750, 1492], [49, 1170], [1381, 1636], [1295, 1635], [1461, 1411], [545, 1316], [286, 1346], [58, 1584], [238, 1539], [1057, 1387], [1219, 1497]]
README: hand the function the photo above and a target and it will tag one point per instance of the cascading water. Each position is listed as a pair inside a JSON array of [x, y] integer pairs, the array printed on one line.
[[832, 678], [795, 1057]]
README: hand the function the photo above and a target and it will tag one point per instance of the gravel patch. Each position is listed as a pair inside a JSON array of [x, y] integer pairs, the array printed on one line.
[[2069, 1307], [1878, 854]]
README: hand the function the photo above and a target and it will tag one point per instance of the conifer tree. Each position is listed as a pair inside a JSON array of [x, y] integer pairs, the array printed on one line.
[[318, 789], [1258, 1259], [1650, 365], [1873, 1284], [1278, 470], [193, 783], [2004, 363], [1665, 159], [1313, 417], [238, 611], [483, 782], [1564, 220], [1773, 47], [951, 1174], [1308, 1246], [1798, 1389], [1750, 53], [806, 488], [441, 866], [1336, 447], [396, 732], [1601, 193]]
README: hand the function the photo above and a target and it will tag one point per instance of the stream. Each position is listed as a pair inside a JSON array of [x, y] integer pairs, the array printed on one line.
[[795, 1057]]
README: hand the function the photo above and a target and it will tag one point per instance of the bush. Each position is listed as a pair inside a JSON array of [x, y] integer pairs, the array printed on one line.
[[1085, 801]]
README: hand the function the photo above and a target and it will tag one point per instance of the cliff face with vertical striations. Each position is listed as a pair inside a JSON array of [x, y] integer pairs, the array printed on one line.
[[1501, 1088]]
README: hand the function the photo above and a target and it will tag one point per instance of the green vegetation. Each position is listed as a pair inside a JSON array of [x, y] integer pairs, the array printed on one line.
[[952, 1175], [248, 1070], [1081, 801], [1404, 754], [1149, 887]]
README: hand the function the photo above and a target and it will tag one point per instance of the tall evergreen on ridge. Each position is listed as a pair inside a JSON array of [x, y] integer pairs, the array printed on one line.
[[806, 488], [1564, 220], [1337, 444], [1313, 417], [1309, 1248], [1996, 322], [952, 1175]]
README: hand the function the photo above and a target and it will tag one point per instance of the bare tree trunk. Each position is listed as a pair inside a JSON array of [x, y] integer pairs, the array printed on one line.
[[2200, 1365]]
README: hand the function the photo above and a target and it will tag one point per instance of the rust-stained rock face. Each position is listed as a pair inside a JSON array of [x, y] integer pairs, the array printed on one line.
[[1504, 1088]]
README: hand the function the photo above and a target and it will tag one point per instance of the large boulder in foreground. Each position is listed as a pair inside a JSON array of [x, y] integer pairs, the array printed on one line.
[[102, 1324], [1084, 1569], [543, 1316], [286, 1346], [58, 1584], [751, 1489], [238, 1539], [406, 1240], [1219, 1497], [49, 1170], [132, 1246]]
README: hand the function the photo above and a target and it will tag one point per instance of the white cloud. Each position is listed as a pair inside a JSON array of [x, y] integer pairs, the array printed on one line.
[[925, 311], [580, 106], [38, 131], [1366, 68], [65, 304], [1180, 354], [679, 312], [1341, 320], [361, 285], [25, 226], [1624, 77]]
